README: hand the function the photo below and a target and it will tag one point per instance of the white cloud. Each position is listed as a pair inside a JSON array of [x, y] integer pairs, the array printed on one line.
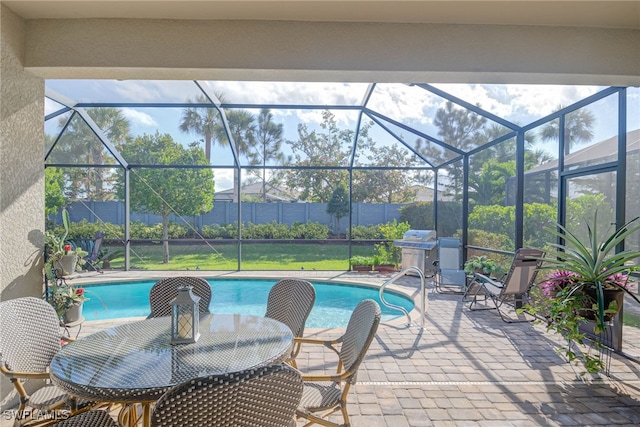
[[223, 179], [154, 91], [138, 118], [295, 93], [541, 100], [519, 102], [402, 102]]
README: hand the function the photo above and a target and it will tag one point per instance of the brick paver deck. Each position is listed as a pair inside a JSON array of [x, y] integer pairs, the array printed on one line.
[[468, 369]]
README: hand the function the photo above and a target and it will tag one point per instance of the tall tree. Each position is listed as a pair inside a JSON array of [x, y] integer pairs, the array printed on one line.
[[202, 121], [330, 146], [268, 145], [578, 128], [382, 185], [80, 145], [163, 191], [459, 128], [242, 129]]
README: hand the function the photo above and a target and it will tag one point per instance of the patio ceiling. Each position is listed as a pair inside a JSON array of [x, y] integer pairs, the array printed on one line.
[[605, 14]]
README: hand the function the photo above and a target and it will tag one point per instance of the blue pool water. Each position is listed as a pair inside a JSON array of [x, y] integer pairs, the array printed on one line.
[[333, 306]]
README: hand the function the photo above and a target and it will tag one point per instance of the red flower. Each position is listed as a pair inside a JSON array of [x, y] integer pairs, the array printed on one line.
[[80, 291], [67, 249]]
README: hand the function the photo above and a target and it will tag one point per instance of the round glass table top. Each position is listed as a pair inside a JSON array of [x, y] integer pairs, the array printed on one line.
[[137, 361]]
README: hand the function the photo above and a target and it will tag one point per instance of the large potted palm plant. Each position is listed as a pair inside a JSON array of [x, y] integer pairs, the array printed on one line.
[[588, 281]]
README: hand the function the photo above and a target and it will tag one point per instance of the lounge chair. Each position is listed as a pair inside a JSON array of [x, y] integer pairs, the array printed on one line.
[[92, 260], [328, 393], [165, 290], [290, 301], [515, 285], [449, 275]]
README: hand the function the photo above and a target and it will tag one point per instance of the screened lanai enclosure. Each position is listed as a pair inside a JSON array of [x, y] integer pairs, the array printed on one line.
[[204, 175]]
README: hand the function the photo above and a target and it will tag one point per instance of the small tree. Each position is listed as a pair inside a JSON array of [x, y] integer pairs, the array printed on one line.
[[163, 191], [338, 206], [387, 251]]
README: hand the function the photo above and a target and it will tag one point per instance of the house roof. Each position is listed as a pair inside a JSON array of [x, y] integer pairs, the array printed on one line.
[[274, 194], [598, 153]]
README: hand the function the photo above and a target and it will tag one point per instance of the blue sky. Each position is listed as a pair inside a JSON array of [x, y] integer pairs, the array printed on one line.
[[520, 104]]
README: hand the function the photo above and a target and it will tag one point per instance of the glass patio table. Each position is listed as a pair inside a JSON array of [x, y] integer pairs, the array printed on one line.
[[136, 363]]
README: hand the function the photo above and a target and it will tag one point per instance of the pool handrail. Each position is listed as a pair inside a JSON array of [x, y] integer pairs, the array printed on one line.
[[403, 272]]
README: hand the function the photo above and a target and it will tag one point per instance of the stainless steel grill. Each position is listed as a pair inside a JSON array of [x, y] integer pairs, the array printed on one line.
[[418, 249]]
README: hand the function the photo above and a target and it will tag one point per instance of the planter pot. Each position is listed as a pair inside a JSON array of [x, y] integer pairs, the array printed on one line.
[[385, 268], [66, 265], [361, 268], [609, 296], [73, 314]]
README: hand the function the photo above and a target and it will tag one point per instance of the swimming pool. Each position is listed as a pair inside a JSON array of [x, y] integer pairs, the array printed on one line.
[[332, 309]]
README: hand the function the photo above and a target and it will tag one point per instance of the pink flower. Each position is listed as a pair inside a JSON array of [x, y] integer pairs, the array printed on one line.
[[619, 279], [557, 280]]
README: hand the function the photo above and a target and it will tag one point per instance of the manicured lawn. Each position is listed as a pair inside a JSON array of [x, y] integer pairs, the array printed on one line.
[[262, 256]]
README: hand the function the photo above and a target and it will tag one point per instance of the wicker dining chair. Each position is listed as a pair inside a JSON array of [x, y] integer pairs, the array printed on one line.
[[260, 397], [290, 301], [328, 393], [29, 338], [165, 290]]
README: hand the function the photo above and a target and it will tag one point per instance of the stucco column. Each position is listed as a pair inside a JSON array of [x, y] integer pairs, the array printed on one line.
[[21, 173]]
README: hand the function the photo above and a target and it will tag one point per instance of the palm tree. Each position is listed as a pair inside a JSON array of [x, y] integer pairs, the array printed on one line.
[[202, 121], [577, 128], [79, 142], [242, 129]]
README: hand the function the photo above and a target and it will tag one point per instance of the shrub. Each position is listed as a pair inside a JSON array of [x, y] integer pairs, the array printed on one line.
[[366, 232]]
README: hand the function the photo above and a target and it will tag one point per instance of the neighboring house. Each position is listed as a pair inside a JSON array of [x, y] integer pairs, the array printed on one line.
[[425, 194], [541, 180], [253, 192]]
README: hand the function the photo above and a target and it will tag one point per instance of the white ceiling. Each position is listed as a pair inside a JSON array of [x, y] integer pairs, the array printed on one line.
[[575, 13]]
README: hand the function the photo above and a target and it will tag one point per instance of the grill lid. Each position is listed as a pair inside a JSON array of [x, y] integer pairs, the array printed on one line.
[[419, 239], [419, 235]]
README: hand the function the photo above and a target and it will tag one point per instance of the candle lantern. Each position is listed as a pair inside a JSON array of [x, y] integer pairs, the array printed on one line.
[[185, 316]]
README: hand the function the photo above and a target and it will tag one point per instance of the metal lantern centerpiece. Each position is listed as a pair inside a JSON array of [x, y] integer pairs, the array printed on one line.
[[185, 316]]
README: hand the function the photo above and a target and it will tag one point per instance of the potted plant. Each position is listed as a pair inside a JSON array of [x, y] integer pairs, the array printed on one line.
[[588, 282], [361, 263], [67, 300], [61, 257], [383, 264], [480, 264]]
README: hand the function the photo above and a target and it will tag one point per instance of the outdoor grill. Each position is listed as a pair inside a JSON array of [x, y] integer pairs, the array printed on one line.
[[418, 249]]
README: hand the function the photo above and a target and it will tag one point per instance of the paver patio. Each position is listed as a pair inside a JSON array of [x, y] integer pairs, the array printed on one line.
[[465, 369]]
